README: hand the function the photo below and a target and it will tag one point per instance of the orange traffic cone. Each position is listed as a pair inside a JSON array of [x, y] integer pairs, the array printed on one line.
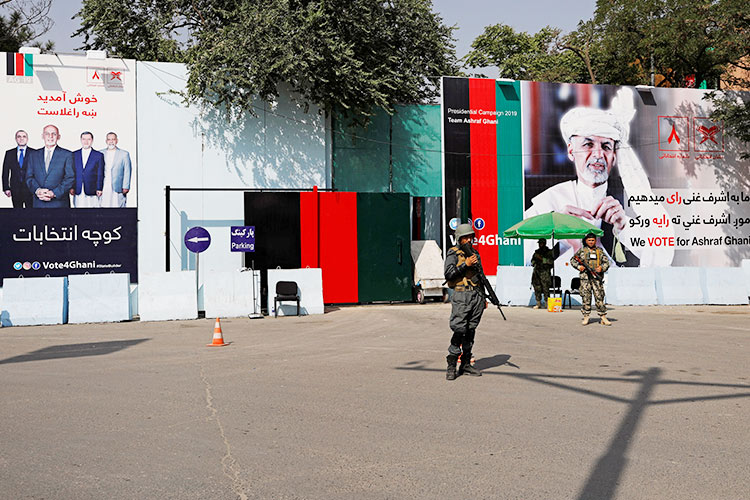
[[218, 337]]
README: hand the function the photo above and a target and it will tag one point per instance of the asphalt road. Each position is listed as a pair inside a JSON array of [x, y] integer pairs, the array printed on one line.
[[354, 404]]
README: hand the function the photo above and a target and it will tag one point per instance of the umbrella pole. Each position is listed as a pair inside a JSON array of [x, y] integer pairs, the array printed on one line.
[[553, 263]]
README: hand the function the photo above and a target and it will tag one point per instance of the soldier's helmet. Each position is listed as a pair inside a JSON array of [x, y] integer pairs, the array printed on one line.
[[464, 230], [590, 235], [542, 240]]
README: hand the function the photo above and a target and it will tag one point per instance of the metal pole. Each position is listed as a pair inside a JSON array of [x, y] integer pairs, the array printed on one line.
[[166, 229], [197, 274]]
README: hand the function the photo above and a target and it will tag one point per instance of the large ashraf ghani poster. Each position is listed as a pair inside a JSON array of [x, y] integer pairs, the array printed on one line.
[[69, 168], [646, 165]]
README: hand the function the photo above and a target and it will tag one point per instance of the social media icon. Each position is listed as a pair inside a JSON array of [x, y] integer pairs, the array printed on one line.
[[26, 265], [453, 224], [36, 266], [479, 223], [17, 266]]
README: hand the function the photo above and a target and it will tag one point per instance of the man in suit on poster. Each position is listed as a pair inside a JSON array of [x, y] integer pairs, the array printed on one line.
[[117, 172], [14, 172], [89, 165], [51, 174]]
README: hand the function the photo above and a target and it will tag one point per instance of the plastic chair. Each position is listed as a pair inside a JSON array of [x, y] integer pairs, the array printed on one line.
[[575, 289], [285, 291]]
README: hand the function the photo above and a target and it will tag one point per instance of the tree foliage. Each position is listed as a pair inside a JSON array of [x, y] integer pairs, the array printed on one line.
[[621, 41], [730, 108], [524, 56], [682, 37], [349, 55], [137, 29], [26, 21], [625, 42]]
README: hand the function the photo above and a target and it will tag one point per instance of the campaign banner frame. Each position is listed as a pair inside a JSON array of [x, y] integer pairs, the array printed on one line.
[[38, 243]]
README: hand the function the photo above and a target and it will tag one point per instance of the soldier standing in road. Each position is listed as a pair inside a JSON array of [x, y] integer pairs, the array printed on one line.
[[592, 262], [468, 302], [541, 277]]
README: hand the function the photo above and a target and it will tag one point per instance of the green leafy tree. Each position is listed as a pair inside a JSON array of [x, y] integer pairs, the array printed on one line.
[[677, 38], [349, 55], [25, 22], [137, 29], [524, 56], [734, 111]]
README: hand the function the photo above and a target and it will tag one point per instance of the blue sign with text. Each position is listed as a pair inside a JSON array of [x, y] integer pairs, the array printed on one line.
[[242, 239]]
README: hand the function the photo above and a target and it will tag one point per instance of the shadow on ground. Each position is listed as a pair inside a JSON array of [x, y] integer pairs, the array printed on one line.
[[74, 351], [604, 477]]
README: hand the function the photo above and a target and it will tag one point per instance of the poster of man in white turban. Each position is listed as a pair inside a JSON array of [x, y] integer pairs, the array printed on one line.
[[593, 172]]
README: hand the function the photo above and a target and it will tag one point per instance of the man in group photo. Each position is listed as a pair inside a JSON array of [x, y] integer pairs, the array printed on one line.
[[51, 173], [15, 166]]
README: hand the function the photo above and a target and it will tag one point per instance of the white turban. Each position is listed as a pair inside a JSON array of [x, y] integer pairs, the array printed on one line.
[[593, 121]]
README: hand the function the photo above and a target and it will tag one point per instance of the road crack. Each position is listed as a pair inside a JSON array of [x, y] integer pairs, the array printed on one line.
[[229, 465]]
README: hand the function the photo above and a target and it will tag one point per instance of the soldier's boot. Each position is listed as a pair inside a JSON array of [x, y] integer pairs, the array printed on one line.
[[450, 372], [585, 320], [469, 370], [605, 321], [466, 367]]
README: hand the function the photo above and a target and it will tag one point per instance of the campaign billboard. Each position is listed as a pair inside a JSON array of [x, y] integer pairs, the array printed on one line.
[[646, 165], [69, 131]]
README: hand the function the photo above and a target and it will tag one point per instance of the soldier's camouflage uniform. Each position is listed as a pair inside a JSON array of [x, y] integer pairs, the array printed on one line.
[[541, 277], [594, 257]]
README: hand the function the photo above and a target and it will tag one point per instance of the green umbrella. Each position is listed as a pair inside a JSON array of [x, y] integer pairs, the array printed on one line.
[[552, 225]]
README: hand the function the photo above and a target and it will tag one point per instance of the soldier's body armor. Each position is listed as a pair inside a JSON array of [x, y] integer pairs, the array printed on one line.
[[470, 278], [593, 257]]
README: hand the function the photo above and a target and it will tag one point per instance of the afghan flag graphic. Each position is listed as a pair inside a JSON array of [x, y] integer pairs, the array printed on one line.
[[19, 64], [360, 241], [483, 165]]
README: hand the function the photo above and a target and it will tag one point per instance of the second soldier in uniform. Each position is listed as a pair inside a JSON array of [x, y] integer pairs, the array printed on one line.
[[541, 277], [596, 260], [468, 301]]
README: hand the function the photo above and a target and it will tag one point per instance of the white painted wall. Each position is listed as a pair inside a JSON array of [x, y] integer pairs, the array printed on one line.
[[309, 287], [281, 147]]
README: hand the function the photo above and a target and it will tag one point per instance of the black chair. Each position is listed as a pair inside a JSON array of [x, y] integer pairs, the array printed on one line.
[[285, 291], [556, 286], [575, 289]]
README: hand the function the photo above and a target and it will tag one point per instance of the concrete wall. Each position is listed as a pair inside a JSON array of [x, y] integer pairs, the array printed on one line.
[[98, 298], [309, 287], [34, 301], [164, 296], [281, 147], [231, 294]]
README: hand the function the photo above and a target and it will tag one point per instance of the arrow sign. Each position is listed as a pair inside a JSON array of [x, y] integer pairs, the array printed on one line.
[[197, 239]]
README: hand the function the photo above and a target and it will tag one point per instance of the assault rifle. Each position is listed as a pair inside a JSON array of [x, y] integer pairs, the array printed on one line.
[[588, 269], [485, 282]]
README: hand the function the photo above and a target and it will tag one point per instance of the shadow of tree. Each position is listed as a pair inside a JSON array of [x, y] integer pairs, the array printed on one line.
[[282, 146], [74, 351]]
